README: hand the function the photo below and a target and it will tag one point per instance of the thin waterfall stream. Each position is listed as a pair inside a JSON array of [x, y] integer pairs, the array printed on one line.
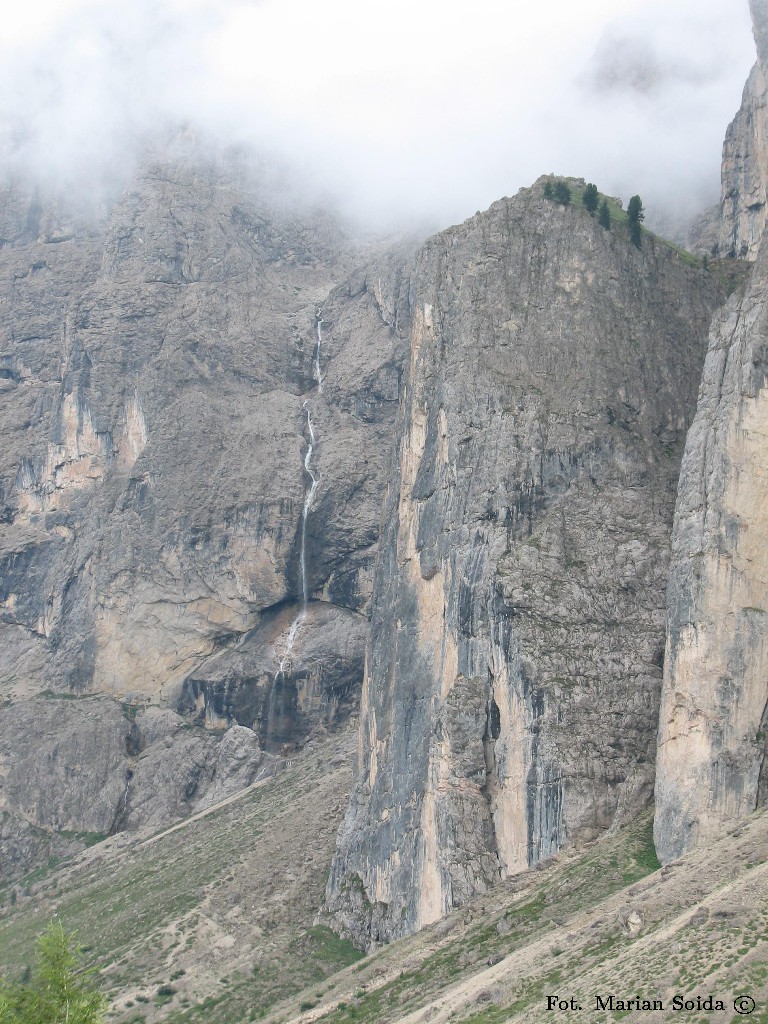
[[318, 371], [309, 497]]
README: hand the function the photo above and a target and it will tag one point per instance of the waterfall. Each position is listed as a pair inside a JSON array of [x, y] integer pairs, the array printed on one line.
[[277, 697], [309, 497], [318, 371]]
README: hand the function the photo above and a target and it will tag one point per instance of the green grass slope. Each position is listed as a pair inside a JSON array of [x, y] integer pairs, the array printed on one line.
[[603, 922], [216, 920], [212, 920]]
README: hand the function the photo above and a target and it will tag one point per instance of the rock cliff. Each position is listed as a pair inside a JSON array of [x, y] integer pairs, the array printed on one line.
[[252, 467], [713, 719], [154, 381], [514, 669], [714, 715], [744, 203], [744, 199], [163, 365]]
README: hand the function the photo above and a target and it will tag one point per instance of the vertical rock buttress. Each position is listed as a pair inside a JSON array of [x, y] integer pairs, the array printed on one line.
[[711, 745], [744, 202], [514, 667], [713, 718]]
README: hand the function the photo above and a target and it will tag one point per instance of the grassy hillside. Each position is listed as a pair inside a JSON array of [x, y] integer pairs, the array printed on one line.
[[215, 921], [600, 923], [212, 920]]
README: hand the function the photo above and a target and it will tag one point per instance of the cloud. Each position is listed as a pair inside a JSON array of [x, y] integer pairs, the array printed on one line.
[[627, 64], [411, 109], [78, 98]]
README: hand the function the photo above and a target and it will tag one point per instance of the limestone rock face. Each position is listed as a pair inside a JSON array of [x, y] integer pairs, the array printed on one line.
[[318, 685], [155, 370], [713, 721], [160, 385], [63, 762], [744, 203], [514, 670]]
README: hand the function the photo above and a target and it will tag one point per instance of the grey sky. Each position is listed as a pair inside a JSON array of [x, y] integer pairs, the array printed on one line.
[[414, 108]]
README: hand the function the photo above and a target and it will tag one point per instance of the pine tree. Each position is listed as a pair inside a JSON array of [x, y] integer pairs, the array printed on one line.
[[590, 197], [604, 216], [548, 190], [59, 990], [635, 214], [562, 193]]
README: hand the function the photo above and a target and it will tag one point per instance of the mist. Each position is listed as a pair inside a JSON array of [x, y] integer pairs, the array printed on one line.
[[404, 112]]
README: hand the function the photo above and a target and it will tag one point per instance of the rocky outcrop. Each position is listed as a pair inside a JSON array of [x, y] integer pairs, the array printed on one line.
[[714, 715], [744, 201], [317, 687], [514, 669], [23, 846], [744, 204], [78, 769]]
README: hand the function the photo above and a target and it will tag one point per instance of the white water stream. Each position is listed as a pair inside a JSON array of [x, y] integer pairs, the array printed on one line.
[[309, 497], [318, 371]]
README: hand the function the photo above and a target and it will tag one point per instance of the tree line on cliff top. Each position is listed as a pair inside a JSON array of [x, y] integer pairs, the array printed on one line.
[[560, 192]]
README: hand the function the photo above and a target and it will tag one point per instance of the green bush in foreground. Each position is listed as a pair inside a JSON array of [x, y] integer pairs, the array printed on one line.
[[59, 992]]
